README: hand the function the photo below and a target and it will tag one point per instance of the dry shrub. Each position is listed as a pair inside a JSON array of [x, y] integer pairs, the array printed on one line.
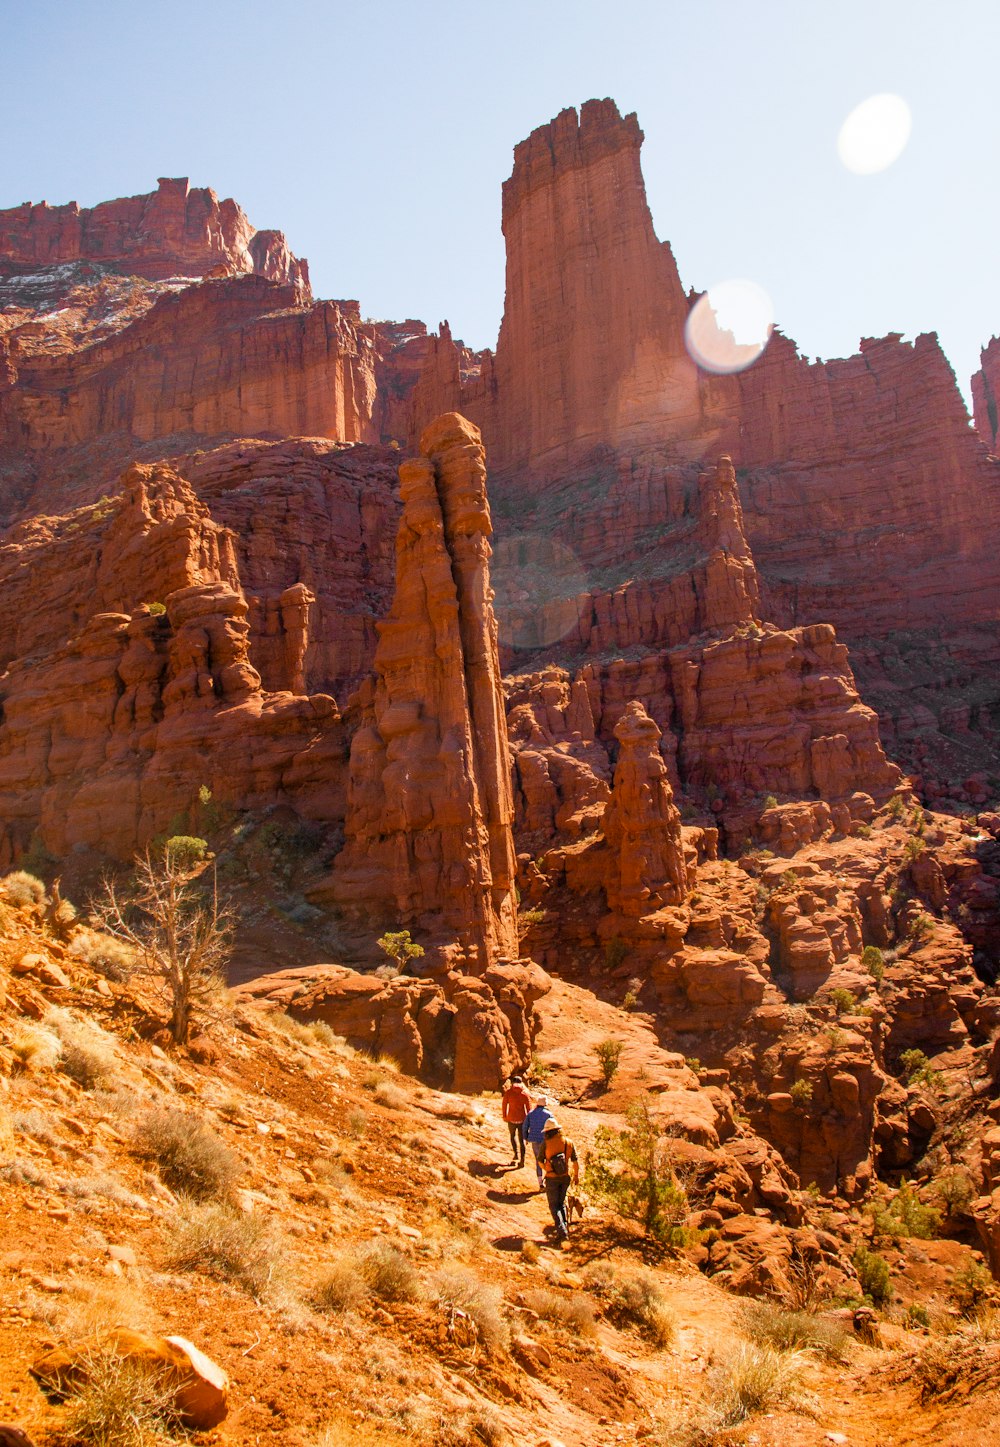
[[390, 1095], [530, 1252], [89, 1054], [121, 1403], [767, 1324], [342, 1285], [574, 1313], [103, 953], [35, 1047], [481, 1302], [189, 1156], [35, 1123], [390, 1275], [483, 1428], [752, 1379], [357, 1122], [228, 1244], [633, 1299], [21, 888]]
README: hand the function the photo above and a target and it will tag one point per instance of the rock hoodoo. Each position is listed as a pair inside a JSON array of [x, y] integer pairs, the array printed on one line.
[[642, 825], [430, 806]]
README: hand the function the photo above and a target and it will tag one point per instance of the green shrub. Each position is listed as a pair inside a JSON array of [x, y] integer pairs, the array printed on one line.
[[632, 1171], [917, 1069], [771, 802], [874, 962], [906, 1215], [608, 1053], [970, 1287], [896, 808], [529, 917], [189, 1156], [801, 1092], [400, 948], [955, 1190], [615, 952], [873, 1274], [156, 610], [920, 927], [843, 1002], [917, 1315], [913, 848], [184, 851]]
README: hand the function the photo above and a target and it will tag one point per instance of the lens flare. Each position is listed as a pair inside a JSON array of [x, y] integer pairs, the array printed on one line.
[[875, 134], [729, 327], [536, 582]]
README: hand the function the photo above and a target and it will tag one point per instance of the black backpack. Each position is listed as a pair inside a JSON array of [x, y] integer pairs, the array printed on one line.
[[558, 1164]]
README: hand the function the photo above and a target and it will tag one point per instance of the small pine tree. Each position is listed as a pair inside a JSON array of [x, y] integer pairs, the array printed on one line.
[[631, 1170], [398, 945], [609, 1053]]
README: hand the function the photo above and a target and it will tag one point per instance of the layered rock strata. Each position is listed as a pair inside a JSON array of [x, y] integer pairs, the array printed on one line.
[[428, 829]]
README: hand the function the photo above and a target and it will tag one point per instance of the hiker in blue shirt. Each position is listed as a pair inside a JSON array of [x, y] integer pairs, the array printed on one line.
[[534, 1131]]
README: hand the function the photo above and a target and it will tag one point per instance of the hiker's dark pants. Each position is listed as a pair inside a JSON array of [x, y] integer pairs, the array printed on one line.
[[516, 1129], [556, 1192]]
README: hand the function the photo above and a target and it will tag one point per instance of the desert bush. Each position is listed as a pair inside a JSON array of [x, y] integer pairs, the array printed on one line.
[[21, 889], [188, 1154], [357, 1122], [103, 953], [481, 1302], [873, 1273], [631, 1170], [235, 1246], [389, 1274], [917, 1315], [530, 1252], [34, 1123], [87, 1308], [121, 1403], [615, 952], [919, 927], [341, 1286], [574, 1313], [906, 1215], [970, 1287], [843, 1001], [633, 1298], [530, 916], [539, 1070], [801, 1092], [608, 1054], [955, 1191], [917, 1069], [914, 847], [786, 1331], [771, 802], [896, 807]]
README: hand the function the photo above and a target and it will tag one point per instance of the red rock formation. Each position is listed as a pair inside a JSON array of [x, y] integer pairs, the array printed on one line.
[[642, 825], [428, 829], [174, 231], [237, 356]]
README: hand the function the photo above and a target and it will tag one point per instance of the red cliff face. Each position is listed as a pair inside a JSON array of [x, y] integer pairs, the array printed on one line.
[[985, 395], [174, 231], [429, 841]]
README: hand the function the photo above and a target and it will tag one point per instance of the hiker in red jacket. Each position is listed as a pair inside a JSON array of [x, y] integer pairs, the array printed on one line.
[[515, 1106]]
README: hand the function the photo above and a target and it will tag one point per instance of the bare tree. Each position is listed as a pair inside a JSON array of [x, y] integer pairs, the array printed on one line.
[[180, 933]]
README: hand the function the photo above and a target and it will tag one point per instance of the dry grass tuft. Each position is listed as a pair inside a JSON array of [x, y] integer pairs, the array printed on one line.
[[34, 1047], [574, 1313], [389, 1274], [633, 1299], [228, 1244], [21, 888], [389, 1094], [464, 1291], [767, 1324], [120, 1404], [89, 1054], [103, 953], [189, 1156], [342, 1285], [90, 1308]]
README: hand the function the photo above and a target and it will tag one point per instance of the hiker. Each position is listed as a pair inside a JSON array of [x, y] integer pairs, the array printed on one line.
[[561, 1168], [515, 1106], [534, 1132]]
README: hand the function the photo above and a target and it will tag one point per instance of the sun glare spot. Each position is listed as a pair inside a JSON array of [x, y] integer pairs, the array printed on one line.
[[875, 134], [729, 326]]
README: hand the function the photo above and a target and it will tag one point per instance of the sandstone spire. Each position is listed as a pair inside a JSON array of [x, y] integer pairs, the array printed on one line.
[[642, 825], [430, 805]]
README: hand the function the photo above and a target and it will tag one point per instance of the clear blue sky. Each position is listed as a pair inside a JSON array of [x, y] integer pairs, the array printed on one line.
[[376, 134]]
